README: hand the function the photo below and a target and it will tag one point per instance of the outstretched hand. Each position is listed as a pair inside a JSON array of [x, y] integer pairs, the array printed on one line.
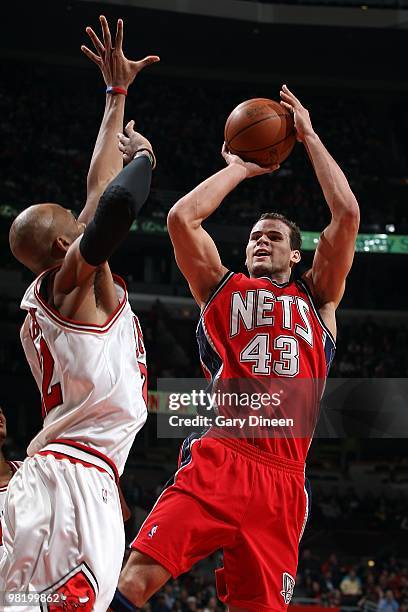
[[131, 142], [251, 168], [301, 117], [117, 70]]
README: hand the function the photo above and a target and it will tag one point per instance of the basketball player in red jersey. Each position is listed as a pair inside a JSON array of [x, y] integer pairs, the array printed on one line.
[[85, 349], [248, 496]]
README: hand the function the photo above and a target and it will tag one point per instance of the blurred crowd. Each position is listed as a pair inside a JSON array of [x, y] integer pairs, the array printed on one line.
[[373, 586], [369, 511], [50, 133], [329, 581]]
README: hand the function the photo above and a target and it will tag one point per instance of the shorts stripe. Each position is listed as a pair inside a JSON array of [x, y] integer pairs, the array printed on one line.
[[78, 452]]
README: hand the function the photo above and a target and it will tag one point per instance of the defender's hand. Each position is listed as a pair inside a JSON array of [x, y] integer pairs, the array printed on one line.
[[132, 142], [301, 115], [117, 70], [251, 168]]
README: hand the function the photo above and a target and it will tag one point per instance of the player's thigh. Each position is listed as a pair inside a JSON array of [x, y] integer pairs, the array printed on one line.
[[199, 513], [141, 577], [260, 568], [28, 514], [65, 522]]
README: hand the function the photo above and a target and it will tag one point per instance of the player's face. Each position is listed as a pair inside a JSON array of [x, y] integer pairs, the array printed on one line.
[[268, 251], [3, 430]]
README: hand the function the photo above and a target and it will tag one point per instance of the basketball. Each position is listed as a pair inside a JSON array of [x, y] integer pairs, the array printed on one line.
[[260, 131]]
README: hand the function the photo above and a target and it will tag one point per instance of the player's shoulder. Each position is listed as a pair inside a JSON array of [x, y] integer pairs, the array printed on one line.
[[35, 291], [15, 465]]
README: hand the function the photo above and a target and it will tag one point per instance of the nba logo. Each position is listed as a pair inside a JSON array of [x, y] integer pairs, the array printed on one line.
[[104, 496], [152, 531]]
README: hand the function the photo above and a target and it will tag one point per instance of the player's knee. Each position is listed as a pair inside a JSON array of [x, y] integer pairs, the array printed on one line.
[[141, 577]]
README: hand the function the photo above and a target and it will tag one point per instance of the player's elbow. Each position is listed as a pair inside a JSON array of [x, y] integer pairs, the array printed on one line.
[[181, 216], [349, 214], [352, 217]]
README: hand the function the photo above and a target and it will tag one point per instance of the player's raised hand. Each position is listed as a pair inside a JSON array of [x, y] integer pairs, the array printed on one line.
[[251, 168], [301, 115], [117, 70], [131, 142]]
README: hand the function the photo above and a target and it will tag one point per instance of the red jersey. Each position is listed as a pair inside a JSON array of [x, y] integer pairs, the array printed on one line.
[[259, 335]]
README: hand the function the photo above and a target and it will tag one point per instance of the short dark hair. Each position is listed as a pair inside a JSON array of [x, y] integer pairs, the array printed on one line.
[[295, 235]]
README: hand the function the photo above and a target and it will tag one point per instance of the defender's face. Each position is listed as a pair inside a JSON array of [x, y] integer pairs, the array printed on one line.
[[3, 425], [268, 251]]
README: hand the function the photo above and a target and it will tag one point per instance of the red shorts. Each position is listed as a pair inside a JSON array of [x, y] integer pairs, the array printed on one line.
[[230, 495]]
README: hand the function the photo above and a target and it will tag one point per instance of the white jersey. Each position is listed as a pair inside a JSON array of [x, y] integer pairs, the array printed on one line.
[[92, 378], [14, 465]]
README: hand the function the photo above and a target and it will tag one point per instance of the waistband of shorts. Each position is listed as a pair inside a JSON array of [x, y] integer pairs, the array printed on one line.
[[64, 448], [257, 454]]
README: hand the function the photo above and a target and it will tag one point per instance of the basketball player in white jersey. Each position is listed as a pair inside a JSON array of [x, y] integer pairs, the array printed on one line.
[[63, 532], [7, 471]]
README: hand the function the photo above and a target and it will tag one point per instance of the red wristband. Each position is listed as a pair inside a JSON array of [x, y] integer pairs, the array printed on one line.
[[116, 90]]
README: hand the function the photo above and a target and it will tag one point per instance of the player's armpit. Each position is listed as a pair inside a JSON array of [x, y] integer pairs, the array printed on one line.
[[333, 258], [196, 255]]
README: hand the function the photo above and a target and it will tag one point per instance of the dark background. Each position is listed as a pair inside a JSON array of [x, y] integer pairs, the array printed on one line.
[[354, 83]]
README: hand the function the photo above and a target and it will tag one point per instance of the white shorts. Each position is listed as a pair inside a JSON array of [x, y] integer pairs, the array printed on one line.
[[63, 535]]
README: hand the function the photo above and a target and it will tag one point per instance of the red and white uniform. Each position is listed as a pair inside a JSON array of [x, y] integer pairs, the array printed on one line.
[[247, 495], [63, 505], [268, 336], [14, 465]]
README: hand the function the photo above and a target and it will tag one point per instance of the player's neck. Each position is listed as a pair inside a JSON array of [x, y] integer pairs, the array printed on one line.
[[277, 277]]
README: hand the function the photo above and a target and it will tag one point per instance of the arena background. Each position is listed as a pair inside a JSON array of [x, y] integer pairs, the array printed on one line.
[[343, 61]]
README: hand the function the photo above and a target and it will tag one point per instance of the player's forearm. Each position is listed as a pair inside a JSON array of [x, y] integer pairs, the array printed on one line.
[[106, 160], [117, 208], [333, 182], [200, 203]]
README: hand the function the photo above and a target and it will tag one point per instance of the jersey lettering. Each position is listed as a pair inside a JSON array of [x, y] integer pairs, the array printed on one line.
[[255, 308], [51, 394], [242, 309], [304, 332]]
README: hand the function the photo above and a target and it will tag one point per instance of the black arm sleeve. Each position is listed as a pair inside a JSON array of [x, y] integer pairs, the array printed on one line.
[[117, 208]]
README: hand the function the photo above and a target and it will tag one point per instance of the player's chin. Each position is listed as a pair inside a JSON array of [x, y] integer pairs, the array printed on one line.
[[259, 269]]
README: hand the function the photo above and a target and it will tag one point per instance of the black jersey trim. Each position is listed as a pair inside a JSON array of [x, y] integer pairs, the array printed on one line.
[[304, 286], [227, 276]]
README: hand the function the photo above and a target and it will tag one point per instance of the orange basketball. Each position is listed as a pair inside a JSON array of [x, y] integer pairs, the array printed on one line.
[[260, 131]]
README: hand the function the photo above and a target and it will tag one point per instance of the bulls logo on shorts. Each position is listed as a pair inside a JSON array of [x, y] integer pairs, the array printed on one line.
[[76, 591]]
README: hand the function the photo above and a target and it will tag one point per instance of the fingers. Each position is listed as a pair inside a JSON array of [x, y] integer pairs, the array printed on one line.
[[119, 35], [150, 59], [92, 56], [288, 106], [123, 140], [105, 31], [129, 129], [122, 148], [95, 40], [288, 96]]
